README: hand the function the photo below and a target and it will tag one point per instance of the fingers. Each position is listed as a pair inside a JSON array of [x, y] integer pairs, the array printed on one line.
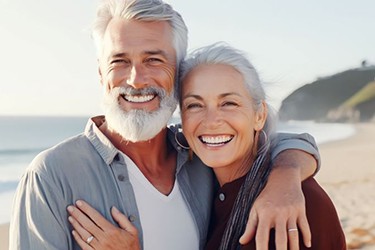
[[93, 214], [304, 227], [84, 238], [78, 228], [292, 234], [281, 236], [87, 222], [262, 235], [251, 227], [83, 244], [81, 222], [123, 221], [284, 237]]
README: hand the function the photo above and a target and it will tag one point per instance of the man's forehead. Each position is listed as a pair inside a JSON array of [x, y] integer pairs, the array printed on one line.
[[145, 37], [119, 28]]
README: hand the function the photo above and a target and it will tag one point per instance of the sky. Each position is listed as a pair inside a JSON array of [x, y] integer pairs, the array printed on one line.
[[48, 62]]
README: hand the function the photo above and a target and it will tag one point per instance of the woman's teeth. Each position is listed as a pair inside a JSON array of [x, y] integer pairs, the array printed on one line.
[[216, 140]]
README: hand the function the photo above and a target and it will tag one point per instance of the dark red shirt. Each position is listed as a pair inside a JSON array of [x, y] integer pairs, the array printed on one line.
[[324, 223]]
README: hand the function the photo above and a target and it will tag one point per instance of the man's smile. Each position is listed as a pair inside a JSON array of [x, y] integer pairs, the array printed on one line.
[[138, 98]]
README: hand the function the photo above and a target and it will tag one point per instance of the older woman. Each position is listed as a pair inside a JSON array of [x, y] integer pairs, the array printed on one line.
[[227, 124]]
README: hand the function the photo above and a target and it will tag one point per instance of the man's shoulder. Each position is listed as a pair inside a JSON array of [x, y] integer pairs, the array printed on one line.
[[73, 145], [63, 152]]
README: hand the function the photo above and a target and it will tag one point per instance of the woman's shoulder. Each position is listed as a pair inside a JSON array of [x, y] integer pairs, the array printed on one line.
[[318, 203], [322, 216], [312, 190]]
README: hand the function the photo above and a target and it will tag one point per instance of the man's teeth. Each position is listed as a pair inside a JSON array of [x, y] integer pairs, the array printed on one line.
[[139, 98], [216, 140]]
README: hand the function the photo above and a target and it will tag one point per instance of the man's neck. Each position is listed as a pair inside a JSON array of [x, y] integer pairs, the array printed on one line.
[[155, 158]]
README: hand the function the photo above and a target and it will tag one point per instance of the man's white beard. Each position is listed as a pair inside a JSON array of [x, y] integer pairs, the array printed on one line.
[[137, 124]]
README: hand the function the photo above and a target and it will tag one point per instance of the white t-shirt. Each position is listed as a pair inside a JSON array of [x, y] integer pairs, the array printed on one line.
[[166, 221]]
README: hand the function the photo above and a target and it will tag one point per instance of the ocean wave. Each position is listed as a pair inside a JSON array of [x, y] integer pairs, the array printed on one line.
[[6, 186], [21, 151], [322, 132]]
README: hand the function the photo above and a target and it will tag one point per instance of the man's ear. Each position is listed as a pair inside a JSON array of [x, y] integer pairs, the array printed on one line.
[[261, 116], [100, 75], [100, 72]]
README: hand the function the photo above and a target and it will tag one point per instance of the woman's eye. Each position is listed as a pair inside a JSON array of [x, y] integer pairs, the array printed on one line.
[[193, 105], [229, 104]]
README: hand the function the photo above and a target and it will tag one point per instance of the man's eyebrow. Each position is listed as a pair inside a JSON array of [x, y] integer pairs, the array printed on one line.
[[118, 55], [146, 52], [156, 52]]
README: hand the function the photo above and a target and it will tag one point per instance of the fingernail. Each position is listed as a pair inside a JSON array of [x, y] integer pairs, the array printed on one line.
[[115, 210], [70, 209], [79, 203], [70, 219]]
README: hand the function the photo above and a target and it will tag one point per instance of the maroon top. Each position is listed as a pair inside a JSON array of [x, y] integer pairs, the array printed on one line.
[[322, 216]]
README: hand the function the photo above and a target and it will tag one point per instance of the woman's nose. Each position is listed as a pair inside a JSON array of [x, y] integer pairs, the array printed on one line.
[[213, 118]]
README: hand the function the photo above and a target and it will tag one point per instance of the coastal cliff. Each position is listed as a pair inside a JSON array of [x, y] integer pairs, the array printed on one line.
[[347, 96]]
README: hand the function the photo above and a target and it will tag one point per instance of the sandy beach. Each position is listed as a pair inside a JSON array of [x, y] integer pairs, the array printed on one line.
[[348, 176], [4, 236]]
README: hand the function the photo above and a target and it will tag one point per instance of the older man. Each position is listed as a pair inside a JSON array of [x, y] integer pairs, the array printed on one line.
[[129, 159]]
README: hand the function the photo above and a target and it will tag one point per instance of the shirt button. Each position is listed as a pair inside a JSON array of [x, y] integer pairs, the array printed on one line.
[[121, 177], [221, 197], [131, 218]]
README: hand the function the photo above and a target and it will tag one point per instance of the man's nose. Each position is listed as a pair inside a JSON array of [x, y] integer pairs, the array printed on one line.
[[137, 77]]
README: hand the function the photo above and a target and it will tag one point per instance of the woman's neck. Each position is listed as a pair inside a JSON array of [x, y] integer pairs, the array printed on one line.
[[229, 173]]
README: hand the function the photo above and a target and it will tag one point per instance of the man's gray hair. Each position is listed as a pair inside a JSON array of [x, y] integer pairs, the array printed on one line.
[[222, 53], [141, 10]]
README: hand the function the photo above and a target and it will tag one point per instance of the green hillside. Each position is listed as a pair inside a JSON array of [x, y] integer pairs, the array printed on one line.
[[348, 95], [365, 94]]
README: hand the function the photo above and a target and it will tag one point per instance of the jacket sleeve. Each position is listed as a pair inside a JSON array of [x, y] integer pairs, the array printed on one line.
[[304, 142], [39, 217]]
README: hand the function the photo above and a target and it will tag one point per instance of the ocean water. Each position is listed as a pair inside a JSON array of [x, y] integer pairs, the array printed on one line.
[[22, 138], [322, 132]]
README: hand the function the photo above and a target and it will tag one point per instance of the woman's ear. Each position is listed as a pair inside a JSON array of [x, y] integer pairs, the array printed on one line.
[[261, 116]]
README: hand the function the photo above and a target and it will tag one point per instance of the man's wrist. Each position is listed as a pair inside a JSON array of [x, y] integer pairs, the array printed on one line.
[[294, 161]]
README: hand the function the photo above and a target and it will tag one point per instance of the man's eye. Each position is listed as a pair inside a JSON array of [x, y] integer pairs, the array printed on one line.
[[154, 59], [118, 61]]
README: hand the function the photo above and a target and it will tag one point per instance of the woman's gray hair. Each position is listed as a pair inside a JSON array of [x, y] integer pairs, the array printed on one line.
[[141, 10], [222, 53]]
